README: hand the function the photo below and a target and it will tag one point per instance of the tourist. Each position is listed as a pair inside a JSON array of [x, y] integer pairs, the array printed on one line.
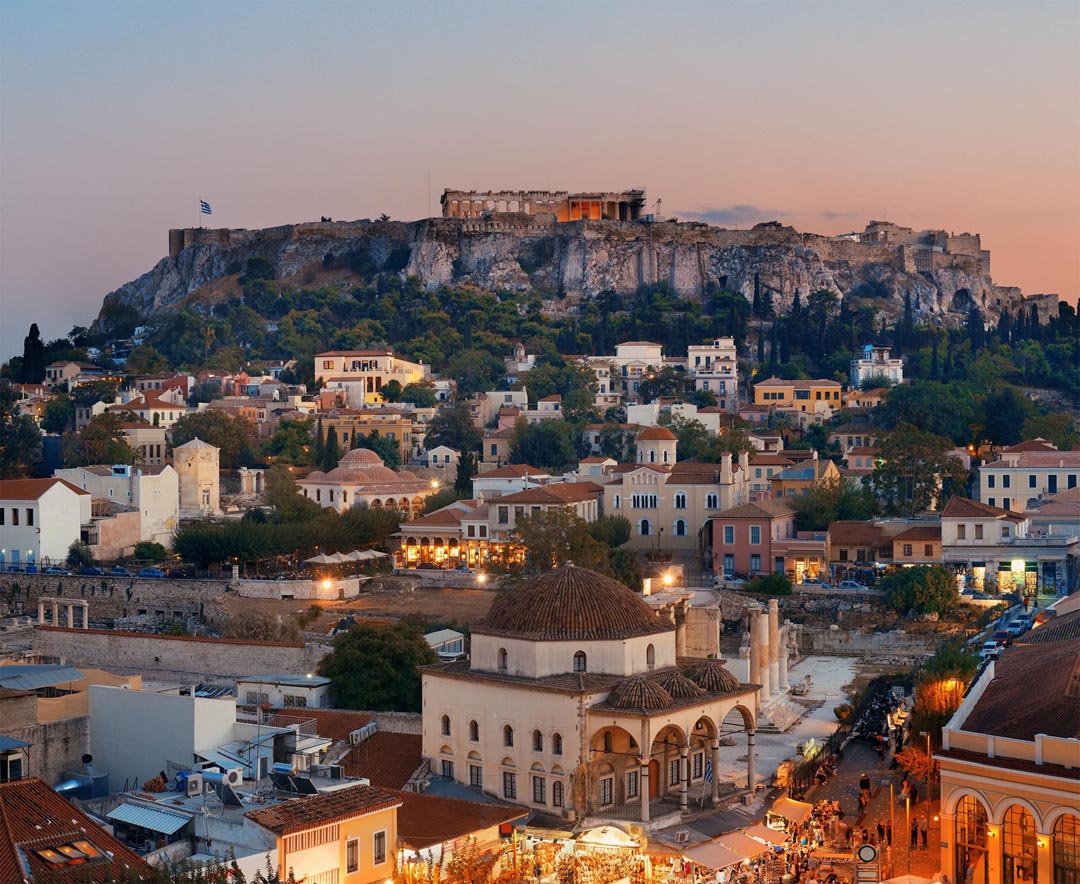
[[924, 825], [888, 832], [914, 833], [881, 831], [864, 784]]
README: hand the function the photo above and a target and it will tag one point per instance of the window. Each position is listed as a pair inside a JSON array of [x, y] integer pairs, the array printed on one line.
[[474, 732], [448, 769], [445, 725], [644, 528], [557, 793], [698, 765], [15, 516], [1070, 482], [673, 772], [617, 501], [992, 501], [680, 501], [476, 776], [990, 480], [352, 855], [632, 781], [729, 535], [295, 700], [755, 563], [580, 662], [504, 515], [843, 555], [556, 744], [1006, 481], [1067, 849], [508, 735], [538, 741], [509, 785], [711, 502], [961, 532], [907, 549], [502, 659], [379, 848], [3, 510], [1005, 501], [755, 534], [1032, 481], [607, 791], [539, 790], [29, 517], [680, 527], [729, 563], [1005, 532], [470, 531], [255, 698], [928, 550], [978, 532], [650, 656]]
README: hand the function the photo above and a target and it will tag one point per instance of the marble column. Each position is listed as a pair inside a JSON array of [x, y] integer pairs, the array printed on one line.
[[644, 762], [71, 615], [684, 777], [86, 615], [763, 641], [785, 636], [751, 773], [774, 646], [680, 630], [41, 612], [715, 771], [55, 613], [755, 649]]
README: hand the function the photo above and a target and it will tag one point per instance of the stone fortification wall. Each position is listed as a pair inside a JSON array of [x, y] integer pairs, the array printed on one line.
[[887, 647], [56, 747], [113, 597], [175, 658]]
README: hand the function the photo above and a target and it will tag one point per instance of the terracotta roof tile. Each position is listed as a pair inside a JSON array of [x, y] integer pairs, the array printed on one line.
[[427, 820], [761, 509], [920, 532], [854, 533], [298, 814], [387, 759], [32, 489], [656, 434], [963, 508], [331, 724], [513, 471]]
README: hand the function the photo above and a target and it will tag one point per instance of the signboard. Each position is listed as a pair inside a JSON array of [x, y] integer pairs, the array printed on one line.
[[867, 869]]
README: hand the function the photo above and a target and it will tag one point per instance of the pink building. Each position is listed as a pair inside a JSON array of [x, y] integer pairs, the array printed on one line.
[[761, 538]]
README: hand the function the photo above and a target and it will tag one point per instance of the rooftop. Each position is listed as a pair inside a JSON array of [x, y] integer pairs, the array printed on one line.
[[32, 489], [427, 820], [388, 760], [299, 814], [292, 680]]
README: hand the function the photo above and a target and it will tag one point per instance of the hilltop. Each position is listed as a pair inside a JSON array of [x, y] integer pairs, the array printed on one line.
[[567, 263]]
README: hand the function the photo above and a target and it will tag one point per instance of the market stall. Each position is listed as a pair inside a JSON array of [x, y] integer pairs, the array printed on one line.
[[787, 812]]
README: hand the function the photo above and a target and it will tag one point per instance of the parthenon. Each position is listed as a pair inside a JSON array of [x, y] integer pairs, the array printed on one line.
[[626, 205]]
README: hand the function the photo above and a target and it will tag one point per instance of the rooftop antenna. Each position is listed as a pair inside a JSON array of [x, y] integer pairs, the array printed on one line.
[[429, 191]]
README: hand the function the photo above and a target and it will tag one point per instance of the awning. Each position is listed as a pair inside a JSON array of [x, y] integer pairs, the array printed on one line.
[[763, 833], [713, 855], [748, 848], [789, 809], [162, 821]]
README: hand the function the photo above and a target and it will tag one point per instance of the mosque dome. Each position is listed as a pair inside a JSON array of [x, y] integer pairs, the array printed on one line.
[[713, 676], [639, 693], [679, 686]]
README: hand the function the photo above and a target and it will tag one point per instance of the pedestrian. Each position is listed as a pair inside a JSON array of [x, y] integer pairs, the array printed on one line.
[[914, 833], [914, 795], [864, 835], [848, 835], [1025, 603], [888, 832], [862, 803], [881, 831], [880, 750], [924, 825], [864, 784]]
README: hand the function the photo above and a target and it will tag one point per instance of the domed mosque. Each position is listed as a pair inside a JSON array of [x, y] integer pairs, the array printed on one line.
[[574, 702], [361, 476]]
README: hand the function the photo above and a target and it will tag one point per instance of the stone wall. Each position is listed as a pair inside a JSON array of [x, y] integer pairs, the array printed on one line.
[[56, 747], [175, 658], [886, 647], [398, 722]]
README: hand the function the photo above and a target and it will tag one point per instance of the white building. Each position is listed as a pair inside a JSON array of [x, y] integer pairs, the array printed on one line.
[[509, 479], [292, 691], [153, 490], [362, 374], [198, 472], [875, 362], [361, 477], [39, 520], [578, 700], [443, 457], [714, 368], [1025, 473]]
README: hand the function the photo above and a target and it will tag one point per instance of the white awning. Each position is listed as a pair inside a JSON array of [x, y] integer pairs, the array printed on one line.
[[741, 844], [712, 855], [763, 833], [796, 811], [163, 821]]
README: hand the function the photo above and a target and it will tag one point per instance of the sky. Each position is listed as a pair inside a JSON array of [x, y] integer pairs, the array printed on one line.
[[117, 117]]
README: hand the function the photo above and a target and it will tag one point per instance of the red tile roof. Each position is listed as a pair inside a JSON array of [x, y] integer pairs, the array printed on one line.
[[854, 533], [762, 509], [427, 820], [331, 724], [33, 817], [1037, 444], [32, 489], [920, 532], [512, 471], [963, 508], [299, 814], [387, 759], [656, 434]]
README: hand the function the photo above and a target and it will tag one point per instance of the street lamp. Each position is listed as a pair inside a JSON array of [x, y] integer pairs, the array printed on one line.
[[929, 766]]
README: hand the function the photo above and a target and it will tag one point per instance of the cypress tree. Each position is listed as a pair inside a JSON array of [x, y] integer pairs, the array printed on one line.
[[757, 295], [319, 445], [331, 452], [33, 361]]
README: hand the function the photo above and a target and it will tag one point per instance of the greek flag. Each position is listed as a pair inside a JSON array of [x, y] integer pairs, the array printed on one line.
[[708, 770], [204, 207]]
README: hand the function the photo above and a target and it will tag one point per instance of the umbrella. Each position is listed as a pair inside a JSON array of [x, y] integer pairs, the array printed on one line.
[[321, 559], [338, 558]]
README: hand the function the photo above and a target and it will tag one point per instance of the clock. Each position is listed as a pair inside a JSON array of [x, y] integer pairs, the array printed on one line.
[[867, 853]]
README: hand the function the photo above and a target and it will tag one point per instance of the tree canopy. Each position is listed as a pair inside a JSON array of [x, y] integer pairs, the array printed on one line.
[[375, 667], [229, 434], [923, 589]]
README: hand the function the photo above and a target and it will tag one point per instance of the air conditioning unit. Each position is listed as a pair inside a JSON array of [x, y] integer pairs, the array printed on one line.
[[194, 785], [234, 776], [682, 837], [337, 772]]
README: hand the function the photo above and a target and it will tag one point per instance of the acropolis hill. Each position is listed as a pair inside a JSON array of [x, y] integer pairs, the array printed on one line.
[[571, 246]]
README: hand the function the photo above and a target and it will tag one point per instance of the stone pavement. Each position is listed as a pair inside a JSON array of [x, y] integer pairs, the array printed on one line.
[[860, 758]]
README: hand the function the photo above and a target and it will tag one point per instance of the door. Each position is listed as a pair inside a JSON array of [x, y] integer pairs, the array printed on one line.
[[654, 779]]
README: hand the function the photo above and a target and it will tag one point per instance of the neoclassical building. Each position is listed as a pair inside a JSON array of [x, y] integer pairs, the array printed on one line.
[[361, 477], [1010, 766], [577, 700]]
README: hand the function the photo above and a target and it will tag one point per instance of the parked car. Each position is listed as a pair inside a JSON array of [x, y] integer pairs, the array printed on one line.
[[463, 568], [119, 571], [56, 569], [151, 572], [428, 566], [815, 581], [989, 649], [92, 571], [853, 585], [186, 574], [1016, 628]]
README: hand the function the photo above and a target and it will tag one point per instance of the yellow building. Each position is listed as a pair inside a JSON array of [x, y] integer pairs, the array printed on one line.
[[797, 480], [362, 374], [394, 424], [342, 837], [1010, 793], [815, 397]]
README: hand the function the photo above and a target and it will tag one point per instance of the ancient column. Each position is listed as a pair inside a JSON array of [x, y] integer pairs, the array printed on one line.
[[774, 646], [71, 615], [715, 770], [684, 777], [644, 762], [86, 615], [680, 629], [751, 774], [755, 648], [41, 612], [763, 640], [785, 640], [55, 613]]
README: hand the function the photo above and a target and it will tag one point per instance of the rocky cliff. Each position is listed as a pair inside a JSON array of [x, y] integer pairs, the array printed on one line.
[[581, 259]]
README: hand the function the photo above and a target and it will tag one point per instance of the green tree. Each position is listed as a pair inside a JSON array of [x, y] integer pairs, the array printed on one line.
[[331, 451], [476, 371], [391, 391], [59, 416], [842, 499], [146, 359], [388, 449], [466, 469], [101, 441], [33, 358], [149, 551], [555, 536], [1004, 412], [453, 427], [20, 439], [375, 667], [923, 589], [94, 392], [79, 555], [771, 584], [283, 494], [292, 443], [442, 497], [1055, 426], [421, 394], [915, 471], [546, 445], [229, 434], [941, 409], [626, 567], [613, 531]]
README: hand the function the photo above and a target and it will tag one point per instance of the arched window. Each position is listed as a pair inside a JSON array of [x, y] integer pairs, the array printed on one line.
[[579, 662], [608, 742], [538, 741], [474, 731], [1018, 846], [556, 744], [1066, 849], [508, 735], [502, 659], [652, 456], [446, 725], [711, 502], [971, 841], [650, 657], [665, 455], [680, 527], [617, 501], [644, 528], [680, 500], [557, 793]]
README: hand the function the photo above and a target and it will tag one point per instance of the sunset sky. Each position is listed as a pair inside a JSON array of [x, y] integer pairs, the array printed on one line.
[[116, 117]]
